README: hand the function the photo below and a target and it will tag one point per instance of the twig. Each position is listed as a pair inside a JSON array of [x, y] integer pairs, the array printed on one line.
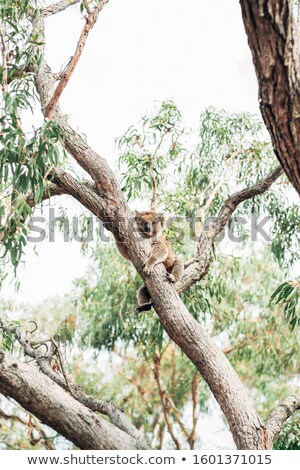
[[61, 366], [139, 389], [90, 22], [195, 399], [87, 7], [156, 430], [164, 402], [233, 347], [154, 186], [34, 423], [203, 210], [151, 171], [4, 60]]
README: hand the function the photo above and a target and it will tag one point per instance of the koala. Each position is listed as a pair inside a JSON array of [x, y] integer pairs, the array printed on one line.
[[150, 224]]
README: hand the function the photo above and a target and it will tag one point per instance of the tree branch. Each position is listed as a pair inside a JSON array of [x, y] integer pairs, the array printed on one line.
[[164, 401], [58, 7], [195, 401], [51, 190], [233, 201], [39, 395], [279, 415], [107, 408], [154, 186], [199, 267], [90, 22], [64, 183], [87, 158], [85, 193]]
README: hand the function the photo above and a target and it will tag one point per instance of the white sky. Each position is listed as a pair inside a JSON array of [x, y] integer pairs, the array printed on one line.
[[139, 52]]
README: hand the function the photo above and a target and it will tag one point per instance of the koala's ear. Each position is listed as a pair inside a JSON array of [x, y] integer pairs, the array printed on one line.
[[162, 218]]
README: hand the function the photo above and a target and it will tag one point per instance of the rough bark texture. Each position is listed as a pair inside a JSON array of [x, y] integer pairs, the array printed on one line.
[[53, 406], [278, 417], [104, 198], [117, 417], [274, 42]]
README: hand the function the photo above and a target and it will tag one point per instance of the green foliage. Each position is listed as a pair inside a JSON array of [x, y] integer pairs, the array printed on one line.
[[157, 143], [23, 165], [109, 307], [287, 294], [26, 155], [196, 171], [289, 436], [190, 163]]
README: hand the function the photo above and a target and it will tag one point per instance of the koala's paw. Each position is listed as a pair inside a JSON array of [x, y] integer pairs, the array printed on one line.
[[148, 268], [171, 278], [143, 308]]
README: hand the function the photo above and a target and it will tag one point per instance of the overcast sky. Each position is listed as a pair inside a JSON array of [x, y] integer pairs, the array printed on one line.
[[140, 52]]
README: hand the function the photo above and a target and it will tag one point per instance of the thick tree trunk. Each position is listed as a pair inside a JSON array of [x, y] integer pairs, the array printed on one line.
[[274, 42], [53, 406]]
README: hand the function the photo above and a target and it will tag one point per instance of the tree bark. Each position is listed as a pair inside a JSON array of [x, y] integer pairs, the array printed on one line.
[[274, 43], [107, 202], [279, 415], [39, 395]]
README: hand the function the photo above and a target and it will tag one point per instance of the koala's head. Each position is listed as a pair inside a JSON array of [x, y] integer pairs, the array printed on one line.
[[150, 223]]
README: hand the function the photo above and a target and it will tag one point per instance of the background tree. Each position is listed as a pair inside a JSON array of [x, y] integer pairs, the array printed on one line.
[[33, 168]]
